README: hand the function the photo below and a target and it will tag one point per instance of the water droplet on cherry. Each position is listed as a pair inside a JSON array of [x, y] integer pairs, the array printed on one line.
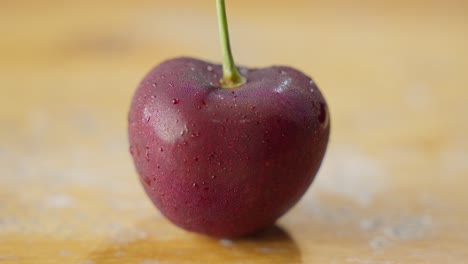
[[148, 155], [323, 115], [137, 151], [147, 181], [175, 101]]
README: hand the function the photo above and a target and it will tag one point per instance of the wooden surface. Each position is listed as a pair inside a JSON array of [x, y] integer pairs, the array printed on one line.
[[392, 189]]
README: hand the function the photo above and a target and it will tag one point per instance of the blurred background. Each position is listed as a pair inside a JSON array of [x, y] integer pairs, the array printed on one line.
[[392, 188]]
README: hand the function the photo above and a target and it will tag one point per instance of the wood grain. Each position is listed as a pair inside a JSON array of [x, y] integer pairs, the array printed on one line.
[[392, 188]]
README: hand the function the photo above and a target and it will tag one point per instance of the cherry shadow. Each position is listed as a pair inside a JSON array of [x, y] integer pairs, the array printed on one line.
[[157, 241]]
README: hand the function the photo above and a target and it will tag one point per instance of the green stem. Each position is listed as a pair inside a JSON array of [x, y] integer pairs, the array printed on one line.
[[231, 77]]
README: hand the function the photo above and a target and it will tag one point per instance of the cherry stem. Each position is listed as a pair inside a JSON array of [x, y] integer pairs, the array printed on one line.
[[231, 76]]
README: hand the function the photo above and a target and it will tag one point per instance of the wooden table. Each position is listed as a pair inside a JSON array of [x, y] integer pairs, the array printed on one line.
[[393, 186]]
